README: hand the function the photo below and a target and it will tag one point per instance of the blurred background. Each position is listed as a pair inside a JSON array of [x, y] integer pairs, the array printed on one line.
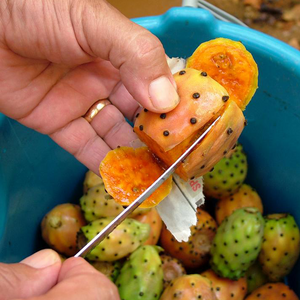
[[278, 18]]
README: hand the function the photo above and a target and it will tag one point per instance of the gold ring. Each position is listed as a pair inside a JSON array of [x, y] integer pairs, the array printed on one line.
[[95, 109]]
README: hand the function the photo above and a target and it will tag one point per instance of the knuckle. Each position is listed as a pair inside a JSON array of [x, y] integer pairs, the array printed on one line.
[[147, 46]]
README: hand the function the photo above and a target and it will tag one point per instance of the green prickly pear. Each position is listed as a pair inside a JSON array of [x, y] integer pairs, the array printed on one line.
[[125, 238], [96, 203], [281, 246], [141, 277], [227, 175], [189, 287], [255, 277], [237, 243]]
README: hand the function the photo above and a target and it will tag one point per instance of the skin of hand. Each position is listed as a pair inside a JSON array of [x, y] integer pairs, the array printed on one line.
[[58, 57], [43, 276]]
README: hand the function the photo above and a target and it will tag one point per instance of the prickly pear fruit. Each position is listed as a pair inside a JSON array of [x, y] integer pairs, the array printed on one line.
[[225, 288], [172, 268], [227, 175], [90, 180], [195, 252], [246, 196], [141, 276], [230, 64], [168, 135], [189, 287], [237, 243], [127, 237], [255, 277], [60, 226], [273, 291], [108, 268], [152, 218], [128, 172], [96, 203], [281, 246]]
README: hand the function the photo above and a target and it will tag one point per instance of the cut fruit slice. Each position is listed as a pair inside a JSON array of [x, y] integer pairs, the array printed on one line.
[[230, 64], [128, 172]]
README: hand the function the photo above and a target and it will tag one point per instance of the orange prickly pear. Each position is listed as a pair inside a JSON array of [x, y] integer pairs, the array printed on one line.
[[273, 291], [172, 268], [154, 220], [189, 287], [246, 196], [195, 252], [60, 227], [225, 288]]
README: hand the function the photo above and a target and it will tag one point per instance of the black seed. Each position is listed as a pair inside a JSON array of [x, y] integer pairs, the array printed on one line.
[[193, 120], [163, 116], [166, 133], [182, 72], [137, 115], [225, 98], [229, 131], [245, 123], [141, 127], [145, 110], [141, 294], [203, 73], [196, 95]]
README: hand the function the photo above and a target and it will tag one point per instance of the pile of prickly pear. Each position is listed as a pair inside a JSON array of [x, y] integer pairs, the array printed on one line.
[[235, 251]]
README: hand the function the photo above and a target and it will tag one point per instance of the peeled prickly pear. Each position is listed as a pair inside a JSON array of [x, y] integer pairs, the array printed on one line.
[[124, 239], [141, 277], [230, 64], [128, 172], [202, 99]]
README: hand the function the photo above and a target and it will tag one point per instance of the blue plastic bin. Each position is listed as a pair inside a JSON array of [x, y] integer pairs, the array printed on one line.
[[35, 174]]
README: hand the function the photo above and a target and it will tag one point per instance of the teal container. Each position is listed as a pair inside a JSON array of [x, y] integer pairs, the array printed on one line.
[[36, 175]]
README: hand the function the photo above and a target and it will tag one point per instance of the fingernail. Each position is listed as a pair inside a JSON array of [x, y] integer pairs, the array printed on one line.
[[42, 259], [163, 94]]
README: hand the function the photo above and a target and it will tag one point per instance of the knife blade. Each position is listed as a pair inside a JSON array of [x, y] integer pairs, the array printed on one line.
[[140, 199]]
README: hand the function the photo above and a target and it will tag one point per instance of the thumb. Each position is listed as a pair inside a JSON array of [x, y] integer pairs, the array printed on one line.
[[34, 276], [138, 54]]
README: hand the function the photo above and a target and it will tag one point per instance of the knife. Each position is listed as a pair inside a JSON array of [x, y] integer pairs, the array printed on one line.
[[139, 200]]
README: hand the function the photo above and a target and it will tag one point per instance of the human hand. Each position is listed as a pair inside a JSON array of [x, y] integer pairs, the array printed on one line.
[[42, 276], [59, 57]]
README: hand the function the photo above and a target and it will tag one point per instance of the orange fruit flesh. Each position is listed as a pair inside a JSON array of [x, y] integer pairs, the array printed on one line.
[[128, 172], [230, 64]]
